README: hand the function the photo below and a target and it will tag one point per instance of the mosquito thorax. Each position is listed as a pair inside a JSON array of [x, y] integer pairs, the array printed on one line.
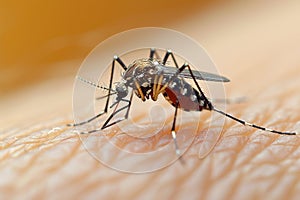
[[141, 69]]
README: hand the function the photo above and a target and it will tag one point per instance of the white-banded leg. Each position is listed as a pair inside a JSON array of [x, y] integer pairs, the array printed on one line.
[[153, 53], [165, 59], [116, 111], [173, 132], [105, 125], [253, 125], [170, 53], [110, 91]]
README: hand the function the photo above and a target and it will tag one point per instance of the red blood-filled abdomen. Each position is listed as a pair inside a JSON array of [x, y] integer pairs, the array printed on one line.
[[185, 101]]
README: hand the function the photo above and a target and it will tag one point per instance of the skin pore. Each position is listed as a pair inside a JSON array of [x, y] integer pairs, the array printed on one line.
[[41, 158]]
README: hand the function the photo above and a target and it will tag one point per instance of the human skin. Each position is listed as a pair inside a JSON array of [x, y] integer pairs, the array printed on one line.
[[39, 161]]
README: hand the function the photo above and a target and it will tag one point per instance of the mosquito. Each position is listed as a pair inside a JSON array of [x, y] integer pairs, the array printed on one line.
[[149, 77]]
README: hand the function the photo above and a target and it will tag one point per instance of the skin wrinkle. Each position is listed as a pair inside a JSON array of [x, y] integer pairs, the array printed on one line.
[[202, 176], [280, 179], [20, 143], [283, 169], [32, 161], [293, 190], [266, 145], [77, 179], [154, 179], [280, 175], [269, 144], [249, 155], [78, 176], [182, 179], [290, 190], [89, 186], [67, 157], [235, 185], [224, 170], [95, 185]]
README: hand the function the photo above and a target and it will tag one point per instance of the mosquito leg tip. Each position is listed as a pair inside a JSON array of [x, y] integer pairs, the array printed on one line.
[[173, 134], [70, 125], [185, 64], [247, 124], [268, 129]]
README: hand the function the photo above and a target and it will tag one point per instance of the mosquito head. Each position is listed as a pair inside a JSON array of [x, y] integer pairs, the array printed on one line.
[[121, 90]]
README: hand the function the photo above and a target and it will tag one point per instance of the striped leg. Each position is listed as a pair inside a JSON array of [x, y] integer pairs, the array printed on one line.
[[168, 53], [106, 123], [174, 132], [110, 90], [253, 125], [153, 53], [164, 61]]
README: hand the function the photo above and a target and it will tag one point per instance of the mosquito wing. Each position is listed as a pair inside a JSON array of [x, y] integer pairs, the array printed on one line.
[[197, 74]]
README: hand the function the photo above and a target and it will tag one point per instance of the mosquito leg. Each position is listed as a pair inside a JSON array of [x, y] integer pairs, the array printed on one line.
[[153, 53], [116, 58], [128, 106], [108, 119], [185, 65], [175, 75], [159, 77], [106, 125], [174, 132], [168, 53], [253, 125], [105, 96]]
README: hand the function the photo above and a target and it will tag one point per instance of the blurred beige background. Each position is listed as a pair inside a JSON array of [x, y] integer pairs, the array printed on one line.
[[254, 43], [36, 34]]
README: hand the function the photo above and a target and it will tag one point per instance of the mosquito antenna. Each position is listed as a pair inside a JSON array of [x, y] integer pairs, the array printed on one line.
[[94, 84], [98, 98], [253, 125]]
